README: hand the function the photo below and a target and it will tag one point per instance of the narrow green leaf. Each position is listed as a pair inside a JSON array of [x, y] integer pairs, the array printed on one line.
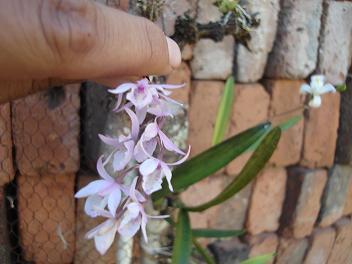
[[183, 240], [253, 166], [224, 112], [284, 126], [203, 252], [263, 259], [217, 233], [211, 160]]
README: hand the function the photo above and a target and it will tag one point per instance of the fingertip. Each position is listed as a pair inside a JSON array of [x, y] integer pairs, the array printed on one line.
[[174, 53]]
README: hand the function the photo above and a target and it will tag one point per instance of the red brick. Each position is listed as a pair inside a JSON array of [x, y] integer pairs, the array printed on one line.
[[291, 251], [205, 98], [263, 244], [179, 76], [200, 193], [266, 201], [249, 109], [302, 202], [85, 251], [320, 134], [348, 203], [341, 251], [46, 131], [321, 244], [46, 209], [7, 172], [5, 248], [285, 97]]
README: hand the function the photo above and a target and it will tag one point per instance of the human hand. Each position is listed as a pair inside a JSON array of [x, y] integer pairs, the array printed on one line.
[[45, 40]]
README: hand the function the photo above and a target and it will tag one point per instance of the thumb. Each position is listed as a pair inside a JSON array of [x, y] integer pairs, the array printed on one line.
[[124, 45], [80, 39]]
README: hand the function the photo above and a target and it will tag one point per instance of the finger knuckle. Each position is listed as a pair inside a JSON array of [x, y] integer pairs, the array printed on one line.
[[69, 27]]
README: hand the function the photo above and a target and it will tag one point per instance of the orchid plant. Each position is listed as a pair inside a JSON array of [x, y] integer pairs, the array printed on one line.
[[140, 153], [137, 171]]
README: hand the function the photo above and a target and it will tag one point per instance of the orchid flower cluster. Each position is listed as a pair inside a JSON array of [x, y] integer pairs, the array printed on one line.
[[138, 155]]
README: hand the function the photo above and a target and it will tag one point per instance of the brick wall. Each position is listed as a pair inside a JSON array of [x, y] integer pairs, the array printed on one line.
[[300, 206]]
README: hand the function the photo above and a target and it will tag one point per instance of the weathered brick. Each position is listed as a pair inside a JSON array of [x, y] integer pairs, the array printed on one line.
[[46, 131], [213, 60], [297, 33], [291, 251], [181, 75], [200, 193], [344, 140], [321, 132], [266, 202], [173, 9], [85, 251], [207, 11], [321, 243], [46, 209], [7, 172], [249, 109], [335, 51], [285, 97], [335, 194], [229, 251], [263, 244], [234, 211], [347, 210], [5, 247], [302, 202], [341, 251], [203, 115], [250, 64]]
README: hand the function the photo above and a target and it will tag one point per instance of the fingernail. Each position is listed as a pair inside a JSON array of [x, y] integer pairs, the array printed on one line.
[[174, 53]]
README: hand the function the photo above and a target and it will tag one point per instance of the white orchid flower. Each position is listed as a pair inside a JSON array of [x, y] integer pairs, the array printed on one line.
[[316, 88]]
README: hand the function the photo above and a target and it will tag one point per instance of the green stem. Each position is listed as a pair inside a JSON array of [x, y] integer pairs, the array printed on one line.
[[208, 259]]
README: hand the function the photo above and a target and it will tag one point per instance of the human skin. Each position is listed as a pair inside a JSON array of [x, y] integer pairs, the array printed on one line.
[[49, 42]]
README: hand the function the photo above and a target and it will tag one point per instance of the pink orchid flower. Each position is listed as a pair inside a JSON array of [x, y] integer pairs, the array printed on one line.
[[153, 171], [144, 96], [149, 139], [106, 187], [104, 234], [135, 217], [123, 146]]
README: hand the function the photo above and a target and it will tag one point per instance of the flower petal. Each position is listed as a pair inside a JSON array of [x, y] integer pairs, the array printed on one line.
[[148, 166], [327, 88], [114, 200], [103, 242], [152, 182], [144, 227], [305, 88], [134, 123], [141, 114], [102, 172], [184, 158], [94, 205], [151, 131], [168, 144], [122, 88], [166, 170], [315, 102], [130, 228], [92, 188], [118, 103], [115, 142]]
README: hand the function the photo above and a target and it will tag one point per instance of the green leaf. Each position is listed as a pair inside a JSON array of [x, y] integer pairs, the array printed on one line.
[[253, 166], [217, 233], [203, 252], [224, 112], [183, 240], [263, 259], [211, 160], [284, 126]]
